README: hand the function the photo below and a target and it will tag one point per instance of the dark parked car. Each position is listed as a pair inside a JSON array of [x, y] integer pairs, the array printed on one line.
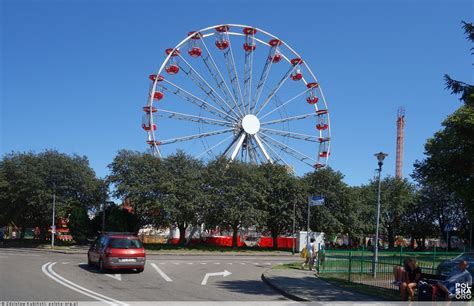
[[446, 266], [117, 251]]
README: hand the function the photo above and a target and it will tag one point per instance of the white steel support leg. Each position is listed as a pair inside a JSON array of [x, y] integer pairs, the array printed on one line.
[[260, 144], [238, 146]]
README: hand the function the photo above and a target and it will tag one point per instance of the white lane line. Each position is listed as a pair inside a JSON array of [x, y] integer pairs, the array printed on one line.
[[65, 263], [203, 263], [115, 276], [268, 263], [242, 263], [82, 263], [255, 263], [229, 263], [217, 263], [176, 263], [190, 263], [162, 274], [47, 269]]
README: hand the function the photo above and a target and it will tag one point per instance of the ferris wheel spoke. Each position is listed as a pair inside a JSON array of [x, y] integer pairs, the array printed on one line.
[[248, 77], [232, 71], [275, 154], [277, 87], [205, 87], [180, 92], [298, 117], [262, 148], [195, 136], [289, 150], [285, 103], [238, 146], [214, 146], [263, 78], [193, 118], [214, 70], [299, 136]]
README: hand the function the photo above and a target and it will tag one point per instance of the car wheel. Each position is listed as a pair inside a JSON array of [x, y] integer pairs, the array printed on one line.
[[101, 266], [140, 270]]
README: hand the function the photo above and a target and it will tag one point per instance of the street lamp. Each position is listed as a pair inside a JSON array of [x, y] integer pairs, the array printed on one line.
[[380, 157]]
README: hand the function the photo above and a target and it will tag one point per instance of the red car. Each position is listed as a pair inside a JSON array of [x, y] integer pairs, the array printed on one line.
[[117, 251]]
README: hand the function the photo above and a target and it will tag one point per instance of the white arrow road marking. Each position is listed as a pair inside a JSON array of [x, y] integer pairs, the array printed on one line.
[[206, 277], [162, 274], [115, 276], [47, 269]]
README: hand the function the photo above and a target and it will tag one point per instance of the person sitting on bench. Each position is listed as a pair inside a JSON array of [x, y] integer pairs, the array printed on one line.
[[457, 276], [411, 279]]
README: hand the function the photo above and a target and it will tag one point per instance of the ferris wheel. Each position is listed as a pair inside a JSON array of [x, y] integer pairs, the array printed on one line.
[[240, 92]]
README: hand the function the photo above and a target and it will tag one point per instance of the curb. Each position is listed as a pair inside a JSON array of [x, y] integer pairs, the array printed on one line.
[[282, 291]]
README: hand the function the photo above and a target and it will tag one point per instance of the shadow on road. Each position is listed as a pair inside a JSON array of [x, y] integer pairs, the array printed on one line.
[[95, 270], [253, 287]]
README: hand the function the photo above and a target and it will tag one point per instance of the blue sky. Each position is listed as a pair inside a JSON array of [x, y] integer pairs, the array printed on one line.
[[74, 74]]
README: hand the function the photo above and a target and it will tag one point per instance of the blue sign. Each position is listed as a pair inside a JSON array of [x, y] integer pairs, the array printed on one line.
[[316, 200]]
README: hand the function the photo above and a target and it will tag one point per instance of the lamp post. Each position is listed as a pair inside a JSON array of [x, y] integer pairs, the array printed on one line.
[[380, 157], [53, 226]]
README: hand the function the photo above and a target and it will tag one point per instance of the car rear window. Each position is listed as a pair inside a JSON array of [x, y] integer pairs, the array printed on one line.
[[125, 243]]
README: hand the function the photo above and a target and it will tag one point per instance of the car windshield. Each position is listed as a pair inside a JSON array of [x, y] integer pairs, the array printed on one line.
[[125, 243]]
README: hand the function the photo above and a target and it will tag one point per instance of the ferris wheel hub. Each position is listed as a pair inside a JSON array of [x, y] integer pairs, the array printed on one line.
[[251, 124]]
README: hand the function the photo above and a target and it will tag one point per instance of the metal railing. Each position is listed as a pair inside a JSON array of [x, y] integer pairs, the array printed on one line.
[[356, 265]]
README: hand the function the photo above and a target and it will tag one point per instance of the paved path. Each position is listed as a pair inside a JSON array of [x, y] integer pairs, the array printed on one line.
[[305, 286]]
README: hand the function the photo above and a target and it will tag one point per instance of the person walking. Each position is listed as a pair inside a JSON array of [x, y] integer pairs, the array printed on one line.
[[310, 255]]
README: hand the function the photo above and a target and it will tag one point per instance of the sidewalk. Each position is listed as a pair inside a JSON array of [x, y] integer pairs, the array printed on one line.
[[302, 285]]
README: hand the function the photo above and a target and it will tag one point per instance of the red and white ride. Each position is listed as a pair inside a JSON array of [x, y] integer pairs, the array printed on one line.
[[248, 94]]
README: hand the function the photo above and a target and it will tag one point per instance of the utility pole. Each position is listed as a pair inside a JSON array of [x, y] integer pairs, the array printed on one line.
[[294, 225], [307, 227], [53, 227]]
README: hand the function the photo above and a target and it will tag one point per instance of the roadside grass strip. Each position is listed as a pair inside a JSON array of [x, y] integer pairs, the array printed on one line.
[[47, 269]]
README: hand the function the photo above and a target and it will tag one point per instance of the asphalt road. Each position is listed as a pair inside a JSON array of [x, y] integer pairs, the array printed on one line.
[[45, 276]]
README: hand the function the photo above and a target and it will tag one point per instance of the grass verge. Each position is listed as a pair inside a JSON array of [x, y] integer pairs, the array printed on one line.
[[383, 293]]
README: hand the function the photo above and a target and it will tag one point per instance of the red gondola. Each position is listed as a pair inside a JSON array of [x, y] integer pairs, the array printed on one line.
[[149, 109], [311, 96], [172, 64], [193, 45], [222, 42], [153, 77], [249, 45]]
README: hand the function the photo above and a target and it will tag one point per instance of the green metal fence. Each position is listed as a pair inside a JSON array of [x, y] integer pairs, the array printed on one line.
[[357, 265]]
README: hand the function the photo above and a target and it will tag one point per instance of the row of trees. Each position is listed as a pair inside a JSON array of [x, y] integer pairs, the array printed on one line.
[[181, 191]]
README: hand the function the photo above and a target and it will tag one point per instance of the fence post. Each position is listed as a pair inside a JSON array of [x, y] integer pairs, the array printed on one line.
[[350, 265], [362, 260], [434, 259]]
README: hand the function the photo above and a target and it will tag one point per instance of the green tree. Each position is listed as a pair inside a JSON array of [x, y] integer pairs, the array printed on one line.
[[339, 214], [282, 191], [234, 196], [138, 177], [29, 181], [182, 189], [458, 87], [397, 196]]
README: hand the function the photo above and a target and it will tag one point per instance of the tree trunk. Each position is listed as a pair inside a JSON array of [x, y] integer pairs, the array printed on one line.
[[391, 239], [275, 240], [234, 237], [22, 233], [182, 234]]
